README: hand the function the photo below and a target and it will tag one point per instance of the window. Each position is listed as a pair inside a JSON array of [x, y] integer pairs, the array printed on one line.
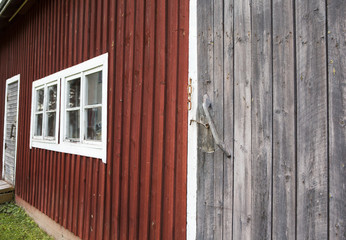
[[83, 121], [45, 110]]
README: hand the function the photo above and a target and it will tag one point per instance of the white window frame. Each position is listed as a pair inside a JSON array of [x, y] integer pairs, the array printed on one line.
[[42, 141], [95, 149]]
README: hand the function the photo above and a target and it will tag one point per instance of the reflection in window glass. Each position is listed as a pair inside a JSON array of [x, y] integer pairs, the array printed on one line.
[[94, 124], [94, 88], [38, 125], [72, 125], [73, 93], [52, 94], [51, 120], [39, 99]]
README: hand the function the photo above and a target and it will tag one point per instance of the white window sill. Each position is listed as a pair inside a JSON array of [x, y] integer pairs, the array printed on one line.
[[86, 150]]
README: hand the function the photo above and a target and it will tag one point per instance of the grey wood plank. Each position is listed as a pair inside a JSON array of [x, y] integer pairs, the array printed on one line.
[[228, 80], [261, 119], [242, 219], [284, 166], [337, 118], [205, 193], [216, 95], [312, 182]]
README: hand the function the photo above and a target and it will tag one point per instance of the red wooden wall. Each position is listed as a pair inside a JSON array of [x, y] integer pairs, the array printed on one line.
[[141, 192]]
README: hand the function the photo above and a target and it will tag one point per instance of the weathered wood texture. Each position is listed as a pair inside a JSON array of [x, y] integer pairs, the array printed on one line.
[[283, 107], [141, 192], [312, 133], [284, 128], [10, 136], [336, 30]]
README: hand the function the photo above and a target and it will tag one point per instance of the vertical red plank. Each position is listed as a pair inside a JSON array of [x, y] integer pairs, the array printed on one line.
[[147, 118], [77, 183], [69, 21], [182, 119], [98, 34], [87, 206], [128, 74], [46, 183], [35, 178], [66, 45], [81, 39], [62, 185], [107, 23], [119, 58], [94, 187], [76, 29], [54, 184], [71, 197], [171, 117], [109, 10], [57, 189], [136, 120], [156, 219], [60, 45], [81, 201], [100, 200], [66, 186], [92, 34]]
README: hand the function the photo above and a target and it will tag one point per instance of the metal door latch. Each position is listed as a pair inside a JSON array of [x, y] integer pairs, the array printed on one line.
[[218, 141]]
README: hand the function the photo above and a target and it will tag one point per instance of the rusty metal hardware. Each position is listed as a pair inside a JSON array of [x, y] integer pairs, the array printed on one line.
[[206, 125], [189, 94], [13, 126], [218, 141]]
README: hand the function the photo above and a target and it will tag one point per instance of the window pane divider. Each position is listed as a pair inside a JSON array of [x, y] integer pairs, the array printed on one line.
[[72, 109], [92, 106], [51, 111]]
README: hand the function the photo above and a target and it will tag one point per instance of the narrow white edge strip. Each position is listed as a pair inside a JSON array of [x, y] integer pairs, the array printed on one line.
[[192, 129]]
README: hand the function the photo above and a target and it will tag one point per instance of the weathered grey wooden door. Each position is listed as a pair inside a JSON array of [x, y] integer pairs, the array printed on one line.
[[274, 72], [10, 130]]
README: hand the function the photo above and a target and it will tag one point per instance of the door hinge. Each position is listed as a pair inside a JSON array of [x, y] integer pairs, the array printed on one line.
[[7, 97], [189, 94]]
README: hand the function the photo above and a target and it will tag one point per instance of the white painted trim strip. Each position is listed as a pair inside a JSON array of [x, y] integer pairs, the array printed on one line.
[[191, 231]]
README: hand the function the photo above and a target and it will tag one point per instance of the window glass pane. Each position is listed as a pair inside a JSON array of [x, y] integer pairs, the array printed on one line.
[[94, 88], [52, 93], [72, 125], [94, 124], [39, 99], [38, 124], [73, 93], [50, 128]]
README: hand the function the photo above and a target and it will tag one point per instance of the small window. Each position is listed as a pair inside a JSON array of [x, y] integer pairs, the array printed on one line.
[[45, 95], [81, 114], [83, 107]]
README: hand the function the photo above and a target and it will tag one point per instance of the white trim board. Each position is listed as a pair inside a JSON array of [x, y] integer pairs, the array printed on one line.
[[191, 228], [8, 82]]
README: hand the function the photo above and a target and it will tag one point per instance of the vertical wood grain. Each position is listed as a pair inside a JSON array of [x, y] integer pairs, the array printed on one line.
[[242, 205], [228, 118], [284, 146], [205, 197], [261, 119], [337, 118], [312, 138]]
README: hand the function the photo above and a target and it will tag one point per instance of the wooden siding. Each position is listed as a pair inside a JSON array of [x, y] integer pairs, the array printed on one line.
[[275, 73], [141, 192]]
